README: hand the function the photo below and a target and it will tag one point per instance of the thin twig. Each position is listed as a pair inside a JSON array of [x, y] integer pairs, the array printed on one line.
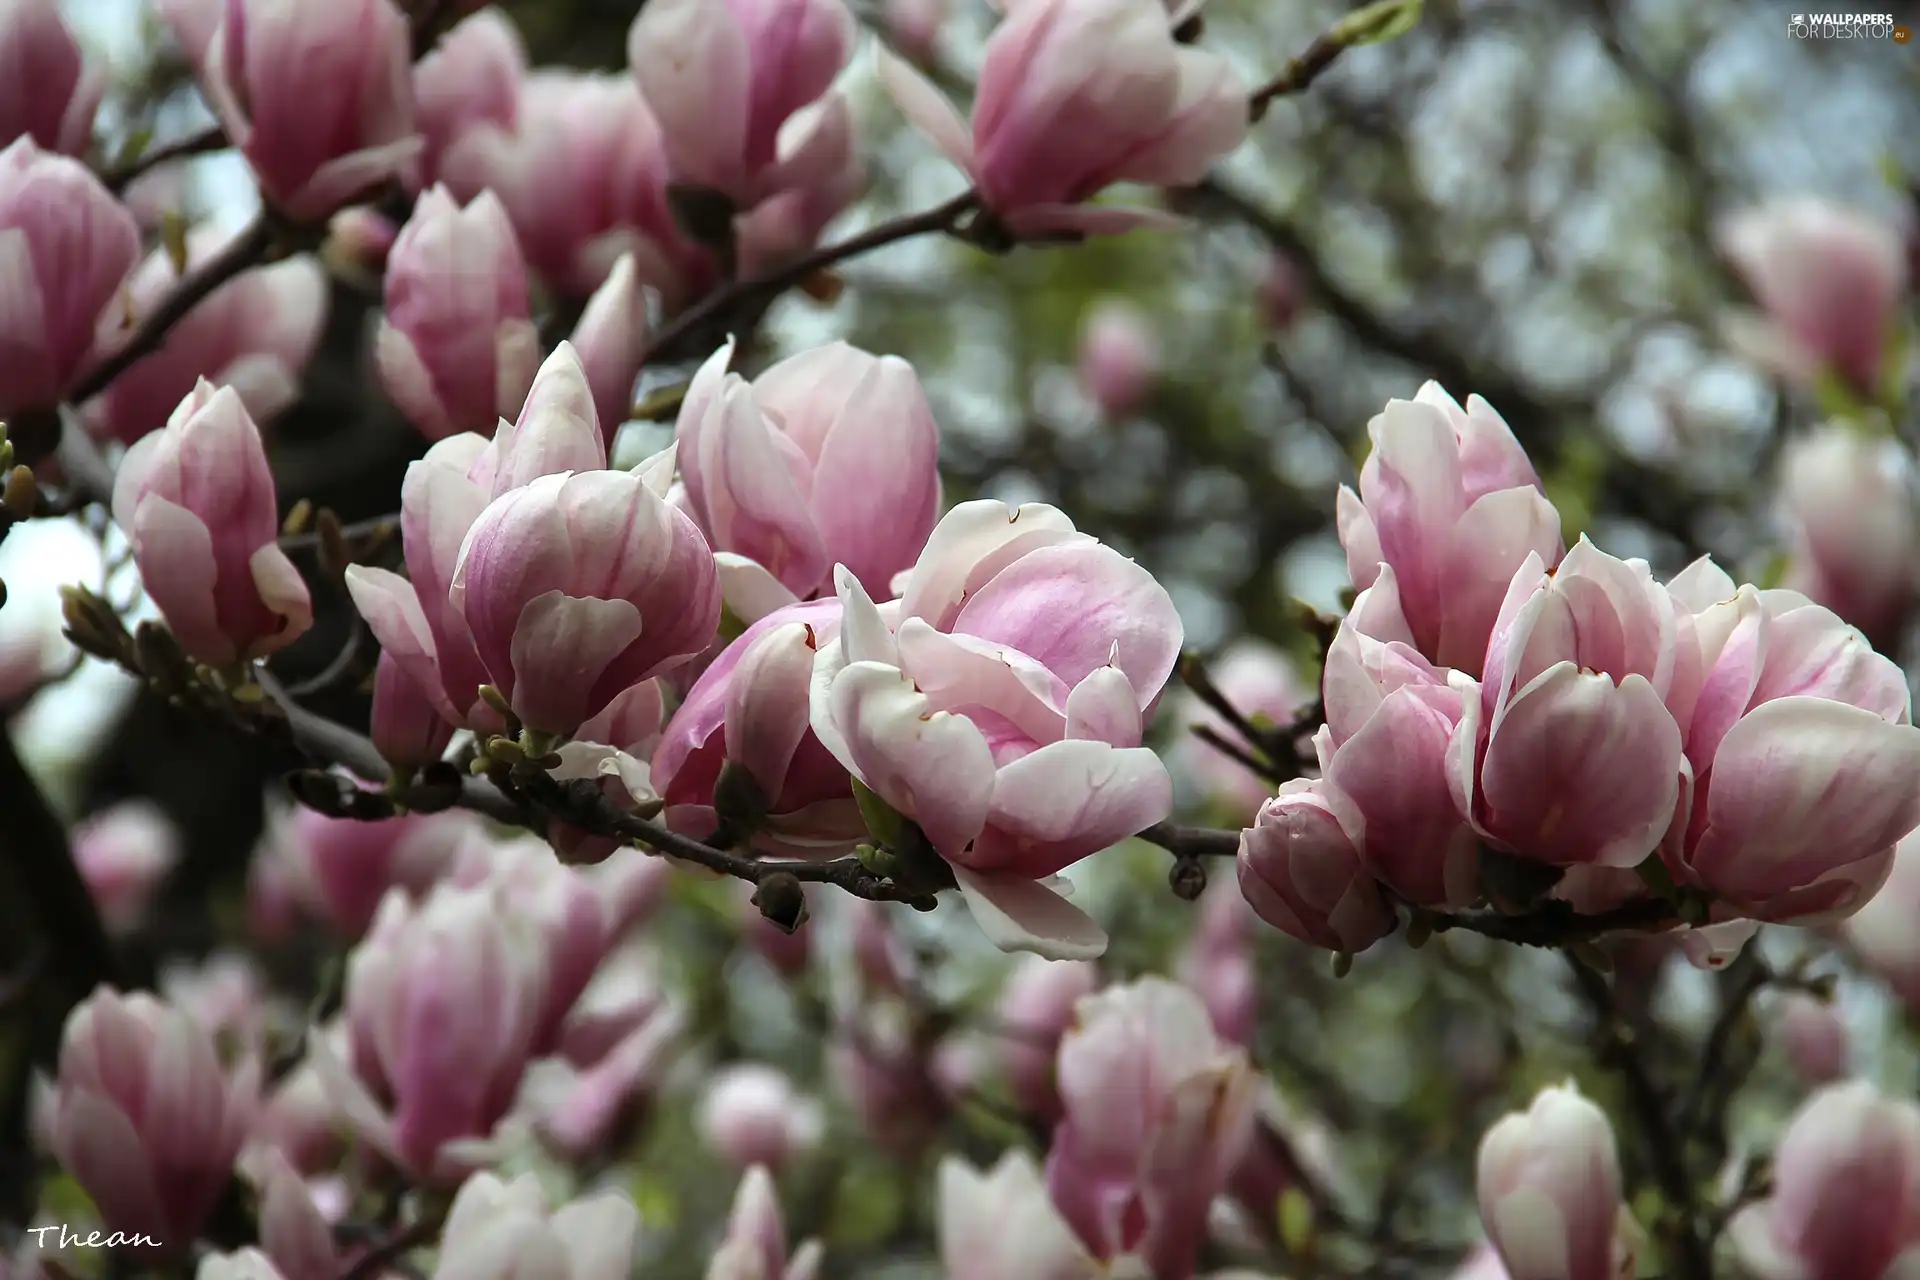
[[1688, 1258], [1299, 72], [390, 1250], [210, 139], [941, 219], [243, 251]]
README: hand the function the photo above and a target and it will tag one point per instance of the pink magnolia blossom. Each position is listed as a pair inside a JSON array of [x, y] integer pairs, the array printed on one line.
[[124, 853], [1217, 963], [1385, 754], [752, 1115], [1846, 1178], [584, 1113], [578, 586], [1074, 96], [444, 493], [578, 161], [472, 77], [611, 340], [821, 174], [1036, 1006], [723, 78], [1449, 500], [1830, 281], [501, 1230], [293, 1231], [197, 503], [318, 98], [245, 1264], [1801, 756], [49, 88], [1158, 1111], [339, 870], [1002, 1223], [66, 246], [1570, 755], [750, 710], [755, 1244], [298, 1119], [913, 26], [144, 1116], [456, 347], [624, 993], [255, 334], [1812, 1036], [1300, 872], [443, 1001], [1549, 1190], [1119, 358], [1881, 933], [613, 747], [999, 704], [406, 725], [1847, 500], [831, 457]]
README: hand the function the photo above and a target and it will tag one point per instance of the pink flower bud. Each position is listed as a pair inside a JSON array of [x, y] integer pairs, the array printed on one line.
[[582, 1113], [1002, 1224], [1218, 964], [442, 1003], [723, 78], [752, 1115], [1549, 1188], [498, 1230], [1830, 280], [755, 1245], [145, 1118], [821, 173], [50, 89], [293, 1232], [913, 26], [750, 710], [567, 907], [582, 171], [562, 632], [340, 870], [1578, 756], [407, 726], [829, 458], [1882, 934], [359, 239], [1450, 502], [1810, 1032], [68, 245], [1299, 871], [1803, 757], [1847, 500], [255, 334], [124, 853], [1259, 681], [624, 994], [1074, 96], [1119, 358], [1279, 294], [298, 1120], [611, 340], [456, 349], [1841, 1202], [1034, 1010], [197, 503], [471, 78], [1052, 770], [318, 98], [1133, 1073]]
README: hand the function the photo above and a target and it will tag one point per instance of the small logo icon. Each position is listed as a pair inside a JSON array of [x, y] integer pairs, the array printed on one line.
[[1901, 35], [1797, 26]]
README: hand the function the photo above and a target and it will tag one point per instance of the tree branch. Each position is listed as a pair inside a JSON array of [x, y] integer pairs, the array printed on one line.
[[210, 139], [941, 219]]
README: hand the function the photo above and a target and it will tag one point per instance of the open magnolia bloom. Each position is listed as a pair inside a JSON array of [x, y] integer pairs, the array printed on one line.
[[999, 704]]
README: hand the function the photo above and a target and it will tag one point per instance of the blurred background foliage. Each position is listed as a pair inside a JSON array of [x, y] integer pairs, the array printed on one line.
[[1517, 199]]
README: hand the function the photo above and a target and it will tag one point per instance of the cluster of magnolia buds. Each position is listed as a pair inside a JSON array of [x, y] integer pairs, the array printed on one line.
[[1508, 721]]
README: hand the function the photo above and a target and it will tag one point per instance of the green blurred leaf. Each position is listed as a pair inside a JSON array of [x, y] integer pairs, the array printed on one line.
[[1377, 23]]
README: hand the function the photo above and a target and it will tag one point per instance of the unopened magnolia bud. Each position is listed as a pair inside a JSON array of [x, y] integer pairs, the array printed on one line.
[[782, 901], [1187, 879], [21, 493]]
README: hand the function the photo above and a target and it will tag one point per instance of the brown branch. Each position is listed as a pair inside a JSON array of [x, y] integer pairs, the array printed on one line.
[[1300, 72], [941, 219], [1688, 1257], [243, 251], [389, 1251], [210, 139]]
